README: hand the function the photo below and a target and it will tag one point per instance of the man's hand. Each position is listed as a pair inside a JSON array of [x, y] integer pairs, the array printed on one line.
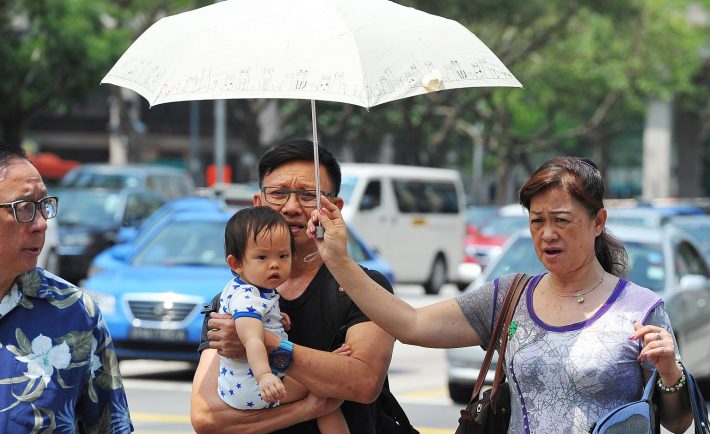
[[223, 336]]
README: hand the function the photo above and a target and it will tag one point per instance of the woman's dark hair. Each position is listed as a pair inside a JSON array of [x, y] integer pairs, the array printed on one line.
[[582, 180], [250, 222], [299, 150]]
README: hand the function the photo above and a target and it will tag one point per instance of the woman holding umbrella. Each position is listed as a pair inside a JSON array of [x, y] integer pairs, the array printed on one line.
[[586, 338]]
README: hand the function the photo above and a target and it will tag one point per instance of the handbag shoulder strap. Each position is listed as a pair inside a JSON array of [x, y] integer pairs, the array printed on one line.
[[502, 322]]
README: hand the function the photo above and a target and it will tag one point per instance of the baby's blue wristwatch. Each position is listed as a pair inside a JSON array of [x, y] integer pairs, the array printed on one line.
[[280, 358]]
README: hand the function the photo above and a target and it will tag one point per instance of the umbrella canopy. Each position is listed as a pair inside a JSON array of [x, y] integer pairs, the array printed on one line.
[[362, 52]]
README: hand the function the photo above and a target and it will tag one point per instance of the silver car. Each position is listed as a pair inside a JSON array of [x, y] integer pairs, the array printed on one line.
[[664, 259]]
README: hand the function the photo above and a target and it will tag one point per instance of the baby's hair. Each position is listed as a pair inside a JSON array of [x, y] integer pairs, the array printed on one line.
[[251, 222]]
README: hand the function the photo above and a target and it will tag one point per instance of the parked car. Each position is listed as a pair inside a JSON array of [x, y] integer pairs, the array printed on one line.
[[170, 182], [152, 292], [484, 242], [89, 219], [665, 260], [469, 268]]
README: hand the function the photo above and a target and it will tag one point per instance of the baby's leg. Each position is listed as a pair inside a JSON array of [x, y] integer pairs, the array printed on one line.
[[333, 423], [294, 390]]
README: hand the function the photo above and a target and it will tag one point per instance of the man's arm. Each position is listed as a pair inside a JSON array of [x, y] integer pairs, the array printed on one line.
[[357, 378], [209, 414]]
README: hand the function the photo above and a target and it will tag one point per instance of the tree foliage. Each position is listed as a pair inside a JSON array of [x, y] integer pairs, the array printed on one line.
[[588, 69], [53, 54]]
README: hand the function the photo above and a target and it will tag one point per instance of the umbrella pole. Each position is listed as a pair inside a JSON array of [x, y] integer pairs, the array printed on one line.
[[319, 229]]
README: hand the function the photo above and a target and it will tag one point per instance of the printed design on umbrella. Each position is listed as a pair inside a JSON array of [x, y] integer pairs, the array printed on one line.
[[144, 73]]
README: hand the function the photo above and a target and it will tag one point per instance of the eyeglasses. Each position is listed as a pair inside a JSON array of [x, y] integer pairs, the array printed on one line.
[[279, 196], [25, 210]]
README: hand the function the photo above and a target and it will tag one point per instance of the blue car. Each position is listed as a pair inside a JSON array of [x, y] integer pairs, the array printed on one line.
[[129, 238], [151, 290]]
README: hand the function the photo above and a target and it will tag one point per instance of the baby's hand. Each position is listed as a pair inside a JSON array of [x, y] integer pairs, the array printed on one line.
[[285, 321], [271, 388], [344, 350]]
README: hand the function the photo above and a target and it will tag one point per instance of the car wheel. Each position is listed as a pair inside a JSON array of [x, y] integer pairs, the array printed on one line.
[[52, 263], [460, 393], [437, 278]]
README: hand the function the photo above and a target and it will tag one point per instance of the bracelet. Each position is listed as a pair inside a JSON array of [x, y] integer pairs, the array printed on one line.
[[679, 385]]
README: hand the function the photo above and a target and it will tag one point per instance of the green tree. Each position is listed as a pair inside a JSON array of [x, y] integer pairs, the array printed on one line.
[[54, 53], [50, 57]]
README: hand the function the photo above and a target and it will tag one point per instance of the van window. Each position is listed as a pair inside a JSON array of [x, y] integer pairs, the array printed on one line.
[[426, 197], [371, 198]]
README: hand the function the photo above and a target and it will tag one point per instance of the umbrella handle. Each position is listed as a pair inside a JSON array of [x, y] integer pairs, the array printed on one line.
[[320, 231]]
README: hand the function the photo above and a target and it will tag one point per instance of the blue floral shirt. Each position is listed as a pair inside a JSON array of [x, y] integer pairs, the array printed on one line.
[[58, 369]]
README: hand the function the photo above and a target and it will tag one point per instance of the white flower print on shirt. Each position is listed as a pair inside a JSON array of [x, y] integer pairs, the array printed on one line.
[[45, 358]]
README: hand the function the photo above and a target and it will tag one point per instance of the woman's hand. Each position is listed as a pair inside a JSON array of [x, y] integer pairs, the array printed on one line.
[[223, 336], [659, 349], [334, 243]]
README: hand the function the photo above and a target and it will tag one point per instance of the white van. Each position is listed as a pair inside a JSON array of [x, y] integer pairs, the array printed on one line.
[[413, 216]]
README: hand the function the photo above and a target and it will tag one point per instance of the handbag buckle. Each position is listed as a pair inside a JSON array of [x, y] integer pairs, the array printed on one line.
[[479, 407]]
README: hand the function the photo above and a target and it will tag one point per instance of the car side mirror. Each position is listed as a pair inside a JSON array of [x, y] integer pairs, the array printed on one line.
[[126, 234], [693, 282], [121, 252]]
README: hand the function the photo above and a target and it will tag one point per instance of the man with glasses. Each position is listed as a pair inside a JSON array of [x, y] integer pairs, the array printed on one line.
[[58, 371], [323, 320]]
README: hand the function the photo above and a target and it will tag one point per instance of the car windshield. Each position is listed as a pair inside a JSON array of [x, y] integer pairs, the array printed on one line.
[[92, 207], [199, 243], [645, 259], [81, 178], [477, 215], [346, 188], [646, 265], [503, 225]]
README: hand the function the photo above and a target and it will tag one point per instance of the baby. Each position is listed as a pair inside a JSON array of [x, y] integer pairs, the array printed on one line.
[[259, 247]]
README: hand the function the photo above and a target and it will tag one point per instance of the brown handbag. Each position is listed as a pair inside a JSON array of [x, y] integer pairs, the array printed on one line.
[[489, 413]]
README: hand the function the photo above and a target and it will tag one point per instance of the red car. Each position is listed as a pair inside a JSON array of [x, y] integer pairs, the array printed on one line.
[[484, 242]]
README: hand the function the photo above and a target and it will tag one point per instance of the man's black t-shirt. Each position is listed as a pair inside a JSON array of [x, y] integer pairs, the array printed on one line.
[[320, 318]]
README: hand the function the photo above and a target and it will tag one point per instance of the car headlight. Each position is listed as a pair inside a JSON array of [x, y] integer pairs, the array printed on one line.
[[76, 239], [107, 302]]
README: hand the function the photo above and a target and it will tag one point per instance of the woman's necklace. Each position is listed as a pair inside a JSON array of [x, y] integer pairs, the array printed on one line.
[[579, 295]]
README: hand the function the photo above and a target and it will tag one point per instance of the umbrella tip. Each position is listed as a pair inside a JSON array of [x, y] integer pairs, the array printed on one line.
[[432, 81]]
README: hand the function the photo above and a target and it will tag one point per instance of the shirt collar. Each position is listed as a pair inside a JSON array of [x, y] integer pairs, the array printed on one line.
[[29, 284]]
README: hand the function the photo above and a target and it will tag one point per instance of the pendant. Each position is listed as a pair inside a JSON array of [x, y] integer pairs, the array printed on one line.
[[580, 298]]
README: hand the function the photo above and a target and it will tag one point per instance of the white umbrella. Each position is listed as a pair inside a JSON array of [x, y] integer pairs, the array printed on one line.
[[362, 52]]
